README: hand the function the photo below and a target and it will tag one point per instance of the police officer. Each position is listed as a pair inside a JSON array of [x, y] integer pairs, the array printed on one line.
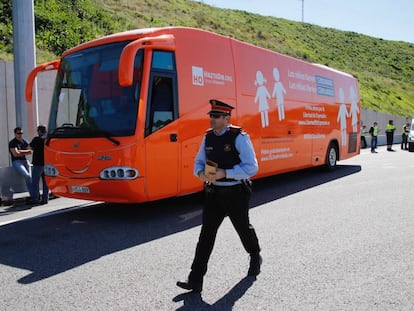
[[389, 132], [225, 162], [404, 136], [374, 130]]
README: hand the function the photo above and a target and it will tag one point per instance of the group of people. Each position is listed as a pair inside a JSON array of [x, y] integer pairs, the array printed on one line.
[[19, 148], [225, 163], [389, 132]]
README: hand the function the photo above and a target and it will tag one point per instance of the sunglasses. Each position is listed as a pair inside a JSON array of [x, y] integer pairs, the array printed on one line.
[[19, 133]]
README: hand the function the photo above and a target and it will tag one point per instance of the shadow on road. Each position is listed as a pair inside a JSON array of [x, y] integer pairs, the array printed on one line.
[[194, 301], [279, 186], [50, 245]]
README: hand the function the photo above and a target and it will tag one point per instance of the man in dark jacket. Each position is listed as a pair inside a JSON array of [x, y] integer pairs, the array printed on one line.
[[225, 162], [38, 161]]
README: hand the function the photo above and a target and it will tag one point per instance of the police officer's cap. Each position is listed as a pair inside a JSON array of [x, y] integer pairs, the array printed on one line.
[[219, 107]]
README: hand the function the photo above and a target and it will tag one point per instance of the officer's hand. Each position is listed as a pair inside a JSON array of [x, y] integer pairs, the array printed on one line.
[[220, 173], [210, 177], [206, 177]]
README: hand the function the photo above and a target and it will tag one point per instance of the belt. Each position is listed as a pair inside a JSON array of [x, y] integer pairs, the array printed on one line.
[[222, 189]]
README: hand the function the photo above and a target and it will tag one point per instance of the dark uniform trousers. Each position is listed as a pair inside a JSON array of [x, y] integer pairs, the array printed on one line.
[[390, 138], [222, 201]]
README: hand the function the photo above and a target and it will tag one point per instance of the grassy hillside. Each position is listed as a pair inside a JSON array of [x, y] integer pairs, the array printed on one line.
[[385, 69]]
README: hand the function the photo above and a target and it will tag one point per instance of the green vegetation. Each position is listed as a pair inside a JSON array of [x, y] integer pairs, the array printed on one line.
[[385, 69]]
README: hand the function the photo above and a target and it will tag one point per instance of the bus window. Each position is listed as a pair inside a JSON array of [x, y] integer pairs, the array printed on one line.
[[162, 108], [163, 60], [88, 96]]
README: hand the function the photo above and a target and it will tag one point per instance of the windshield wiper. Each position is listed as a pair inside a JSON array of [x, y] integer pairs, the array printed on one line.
[[57, 130], [108, 136], [70, 127]]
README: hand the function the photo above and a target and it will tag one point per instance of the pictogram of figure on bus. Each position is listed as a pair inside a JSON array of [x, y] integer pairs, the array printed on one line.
[[354, 110], [262, 95], [279, 93], [342, 115]]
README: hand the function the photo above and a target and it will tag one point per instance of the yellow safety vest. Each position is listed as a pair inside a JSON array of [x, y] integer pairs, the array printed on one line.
[[390, 127]]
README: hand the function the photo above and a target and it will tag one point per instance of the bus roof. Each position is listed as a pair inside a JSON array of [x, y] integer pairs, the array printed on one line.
[[138, 33], [126, 35]]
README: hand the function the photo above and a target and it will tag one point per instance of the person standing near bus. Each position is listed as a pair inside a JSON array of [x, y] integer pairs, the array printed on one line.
[[19, 148], [363, 140], [404, 136], [389, 131], [224, 163], [38, 145], [373, 131]]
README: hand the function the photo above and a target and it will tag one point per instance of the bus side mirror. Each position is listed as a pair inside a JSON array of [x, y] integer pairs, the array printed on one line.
[[54, 65], [126, 62]]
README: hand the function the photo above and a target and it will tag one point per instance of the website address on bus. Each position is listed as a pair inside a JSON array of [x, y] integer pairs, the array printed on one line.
[[314, 122]]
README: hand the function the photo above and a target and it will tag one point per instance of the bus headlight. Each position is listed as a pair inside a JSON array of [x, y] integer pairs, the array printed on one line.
[[119, 173], [50, 170]]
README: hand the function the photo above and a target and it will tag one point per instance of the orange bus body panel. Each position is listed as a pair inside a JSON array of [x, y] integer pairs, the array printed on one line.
[[292, 110]]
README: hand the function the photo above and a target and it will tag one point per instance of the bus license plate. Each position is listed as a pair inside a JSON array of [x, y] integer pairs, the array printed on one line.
[[79, 189]]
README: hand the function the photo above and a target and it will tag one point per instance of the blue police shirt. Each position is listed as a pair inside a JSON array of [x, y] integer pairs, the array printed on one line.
[[248, 165]]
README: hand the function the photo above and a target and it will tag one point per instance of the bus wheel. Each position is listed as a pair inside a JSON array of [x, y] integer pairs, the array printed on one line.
[[331, 157]]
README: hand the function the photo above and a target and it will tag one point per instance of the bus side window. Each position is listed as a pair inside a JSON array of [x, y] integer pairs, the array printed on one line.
[[162, 104]]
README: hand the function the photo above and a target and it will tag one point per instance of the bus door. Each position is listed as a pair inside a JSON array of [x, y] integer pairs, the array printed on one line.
[[161, 128]]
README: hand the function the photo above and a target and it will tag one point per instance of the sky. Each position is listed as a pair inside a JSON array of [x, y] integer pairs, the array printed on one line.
[[385, 19]]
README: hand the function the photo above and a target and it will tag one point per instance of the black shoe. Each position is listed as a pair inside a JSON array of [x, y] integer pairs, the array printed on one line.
[[255, 263], [191, 285]]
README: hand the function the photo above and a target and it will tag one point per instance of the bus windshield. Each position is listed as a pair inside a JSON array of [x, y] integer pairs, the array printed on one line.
[[88, 100]]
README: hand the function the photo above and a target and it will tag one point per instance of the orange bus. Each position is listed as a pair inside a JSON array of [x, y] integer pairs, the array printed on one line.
[[129, 110]]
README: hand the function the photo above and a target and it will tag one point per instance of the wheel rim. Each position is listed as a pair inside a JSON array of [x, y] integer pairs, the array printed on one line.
[[332, 157]]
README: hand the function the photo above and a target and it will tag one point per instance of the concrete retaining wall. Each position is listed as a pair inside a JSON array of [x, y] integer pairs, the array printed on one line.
[[45, 84]]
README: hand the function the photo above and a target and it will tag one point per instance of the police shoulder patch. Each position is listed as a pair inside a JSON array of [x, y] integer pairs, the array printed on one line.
[[235, 129]]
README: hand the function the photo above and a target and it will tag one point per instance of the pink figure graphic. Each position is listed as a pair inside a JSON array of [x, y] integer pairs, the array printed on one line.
[[262, 94], [354, 110], [342, 115]]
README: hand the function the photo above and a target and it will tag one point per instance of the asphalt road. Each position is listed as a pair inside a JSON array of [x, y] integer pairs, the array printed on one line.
[[331, 241]]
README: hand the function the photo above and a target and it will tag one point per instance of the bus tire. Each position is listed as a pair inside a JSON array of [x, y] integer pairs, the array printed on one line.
[[331, 157]]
